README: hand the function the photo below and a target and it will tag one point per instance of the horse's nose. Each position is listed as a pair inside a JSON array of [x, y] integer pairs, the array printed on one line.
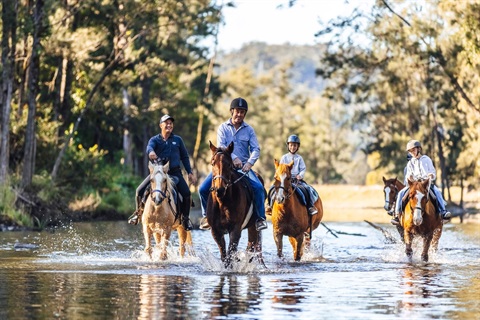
[[280, 199]]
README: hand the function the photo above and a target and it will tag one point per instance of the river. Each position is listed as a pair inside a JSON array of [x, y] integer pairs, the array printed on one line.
[[98, 270]]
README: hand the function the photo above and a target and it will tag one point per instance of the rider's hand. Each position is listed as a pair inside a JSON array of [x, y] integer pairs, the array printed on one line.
[[299, 177], [247, 167], [237, 163], [430, 176], [192, 179], [152, 155]]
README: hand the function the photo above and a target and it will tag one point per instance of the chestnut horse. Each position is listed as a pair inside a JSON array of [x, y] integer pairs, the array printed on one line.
[[160, 215], [421, 219], [289, 216], [230, 206]]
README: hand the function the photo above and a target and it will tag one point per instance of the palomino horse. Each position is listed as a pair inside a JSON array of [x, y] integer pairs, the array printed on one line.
[[421, 219], [289, 216], [160, 216], [391, 189], [230, 206]]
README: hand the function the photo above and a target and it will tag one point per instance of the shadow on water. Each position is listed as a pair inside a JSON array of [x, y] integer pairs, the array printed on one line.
[[99, 270]]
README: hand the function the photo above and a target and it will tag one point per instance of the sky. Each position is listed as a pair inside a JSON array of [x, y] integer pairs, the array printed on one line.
[[261, 20]]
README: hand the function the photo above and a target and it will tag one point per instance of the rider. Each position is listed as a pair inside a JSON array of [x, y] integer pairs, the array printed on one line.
[[298, 172], [419, 167], [245, 153], [168, 147]]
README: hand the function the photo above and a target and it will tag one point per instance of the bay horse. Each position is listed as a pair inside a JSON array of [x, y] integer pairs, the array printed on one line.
[[289, 216], [391, 188], [421, 219], [230, 206], [160, 215]]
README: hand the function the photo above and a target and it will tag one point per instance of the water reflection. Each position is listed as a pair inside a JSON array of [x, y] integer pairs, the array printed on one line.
[[162, 297], [419, 283], [232, 295], [287, 294]]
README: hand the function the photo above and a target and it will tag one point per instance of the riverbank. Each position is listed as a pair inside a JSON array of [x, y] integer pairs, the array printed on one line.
[[341, 203]]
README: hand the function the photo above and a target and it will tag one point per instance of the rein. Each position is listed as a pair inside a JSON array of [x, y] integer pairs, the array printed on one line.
[[229, 183]]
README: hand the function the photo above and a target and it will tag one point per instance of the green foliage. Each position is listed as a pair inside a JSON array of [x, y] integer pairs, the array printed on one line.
[[8, 209]]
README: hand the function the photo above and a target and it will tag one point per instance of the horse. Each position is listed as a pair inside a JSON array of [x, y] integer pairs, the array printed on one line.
[[289, 216], [160, 215], [421, 219], [391, 189], [230, 206]]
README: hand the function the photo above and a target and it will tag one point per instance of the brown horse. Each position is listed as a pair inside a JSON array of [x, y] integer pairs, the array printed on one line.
[[160, 216], [421, 219], [390, 189], [230, 206], [289, 216]]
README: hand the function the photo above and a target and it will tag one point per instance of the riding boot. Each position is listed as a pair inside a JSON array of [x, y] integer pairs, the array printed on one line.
[[186, 223], [137, 215], [395, 221]]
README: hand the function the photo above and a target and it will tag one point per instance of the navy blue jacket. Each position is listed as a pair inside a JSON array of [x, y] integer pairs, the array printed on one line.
[[173, 149]]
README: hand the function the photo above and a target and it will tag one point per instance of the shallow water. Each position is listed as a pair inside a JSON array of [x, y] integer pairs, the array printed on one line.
[[99, 271]]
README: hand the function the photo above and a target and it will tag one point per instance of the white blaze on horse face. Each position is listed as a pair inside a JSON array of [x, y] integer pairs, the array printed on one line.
[[159, 179], [387, 195], [417, 213], [280, 197]]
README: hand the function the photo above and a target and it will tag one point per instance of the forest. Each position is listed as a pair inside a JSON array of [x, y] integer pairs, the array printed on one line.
[[84, 84]]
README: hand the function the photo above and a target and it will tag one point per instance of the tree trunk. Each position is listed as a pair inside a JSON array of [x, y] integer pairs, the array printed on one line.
[[33, 75], [9, 23], [127, 137]]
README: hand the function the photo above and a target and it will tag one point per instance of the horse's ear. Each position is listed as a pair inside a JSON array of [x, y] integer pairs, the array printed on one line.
[[275, 161], [230, 147], [166, 167], [290, 165], [410, 182], [384, 181], [150, 166], [212, 147]]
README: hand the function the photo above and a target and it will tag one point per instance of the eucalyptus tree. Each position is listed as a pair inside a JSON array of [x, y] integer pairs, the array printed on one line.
[[397, 66], [9, 41]]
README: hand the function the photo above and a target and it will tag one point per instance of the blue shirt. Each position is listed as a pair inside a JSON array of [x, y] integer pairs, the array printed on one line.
[[299, 167], [245, 143], [173, 149]]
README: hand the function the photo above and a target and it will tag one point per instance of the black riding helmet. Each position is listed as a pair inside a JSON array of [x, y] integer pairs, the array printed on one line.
[[239, 103], [293, 138]]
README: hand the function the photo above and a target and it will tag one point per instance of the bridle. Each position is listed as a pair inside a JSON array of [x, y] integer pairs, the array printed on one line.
[[291, 189], [392, 186], [164, 194], [228, 181]]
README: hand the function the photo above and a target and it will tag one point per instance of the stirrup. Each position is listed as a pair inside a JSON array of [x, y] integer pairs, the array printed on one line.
[[395, 221], [446, 215], [261, 224], [204, 224], [134, 218]]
